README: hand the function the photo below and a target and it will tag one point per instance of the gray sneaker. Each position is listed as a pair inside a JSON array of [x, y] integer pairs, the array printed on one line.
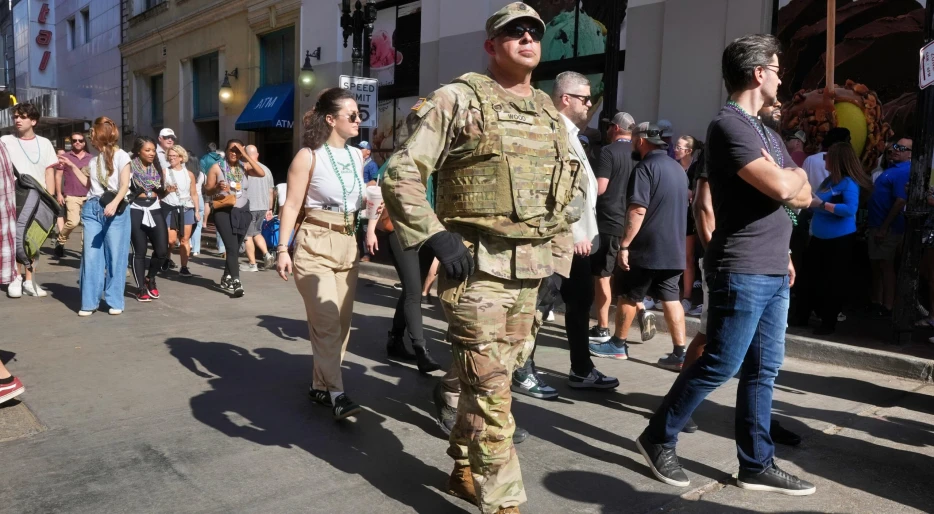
[[249, 267], [269, 261]]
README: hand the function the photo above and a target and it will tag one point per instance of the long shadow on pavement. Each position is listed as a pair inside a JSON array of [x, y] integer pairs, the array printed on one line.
[[261, 397]]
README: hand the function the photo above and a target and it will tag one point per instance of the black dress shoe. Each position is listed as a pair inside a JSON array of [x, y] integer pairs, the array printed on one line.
[[782, 435], [690, 427], [397, 350], [423, 359]]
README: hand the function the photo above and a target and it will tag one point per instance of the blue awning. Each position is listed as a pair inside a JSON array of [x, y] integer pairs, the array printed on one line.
[[270, 107]]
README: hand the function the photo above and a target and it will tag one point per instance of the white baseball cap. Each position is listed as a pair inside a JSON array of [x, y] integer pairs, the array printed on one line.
[[167, 132]]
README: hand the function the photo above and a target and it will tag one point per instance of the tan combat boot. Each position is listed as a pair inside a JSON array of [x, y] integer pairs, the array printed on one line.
[[460, 484], [508, 510]]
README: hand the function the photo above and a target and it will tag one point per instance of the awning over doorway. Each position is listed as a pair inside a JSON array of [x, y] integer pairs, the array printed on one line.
[[270, 107]]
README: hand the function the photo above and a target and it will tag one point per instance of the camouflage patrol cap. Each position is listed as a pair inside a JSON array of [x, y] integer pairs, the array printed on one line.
[[513, 11]]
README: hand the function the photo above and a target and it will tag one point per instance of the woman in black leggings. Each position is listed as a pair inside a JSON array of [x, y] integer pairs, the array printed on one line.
[[408, 317], [146, 219], [228, 178]]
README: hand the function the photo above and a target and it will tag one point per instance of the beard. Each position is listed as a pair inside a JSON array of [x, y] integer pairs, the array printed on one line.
[[772, 123], [636, 156]]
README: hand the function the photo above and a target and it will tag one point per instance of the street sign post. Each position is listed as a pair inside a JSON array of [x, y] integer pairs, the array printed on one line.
[[365, 90], [926, 71]]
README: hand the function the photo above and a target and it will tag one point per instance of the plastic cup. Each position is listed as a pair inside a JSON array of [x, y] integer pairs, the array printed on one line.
[[374, 198]]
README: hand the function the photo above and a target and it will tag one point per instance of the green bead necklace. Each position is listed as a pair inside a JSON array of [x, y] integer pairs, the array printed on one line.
[[345, 168]]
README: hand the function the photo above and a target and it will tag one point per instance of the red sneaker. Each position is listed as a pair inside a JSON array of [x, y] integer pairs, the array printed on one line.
[[143, 296], [151, 287], [11, 390]]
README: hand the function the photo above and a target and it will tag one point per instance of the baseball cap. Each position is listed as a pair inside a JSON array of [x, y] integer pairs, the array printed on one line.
[[801, 136], [167, 132], [665, 127], [624, 121], [651, 133], [364, 145], [583, 139], [513, 11]]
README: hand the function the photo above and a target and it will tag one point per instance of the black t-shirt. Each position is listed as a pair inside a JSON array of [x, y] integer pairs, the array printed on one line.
[[615, 164], [659, 184], [753, 230]]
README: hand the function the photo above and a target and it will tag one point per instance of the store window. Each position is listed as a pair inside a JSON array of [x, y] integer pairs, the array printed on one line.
[[205, 76], [277, 57], [155, 96], [86, 25], [394, 61]]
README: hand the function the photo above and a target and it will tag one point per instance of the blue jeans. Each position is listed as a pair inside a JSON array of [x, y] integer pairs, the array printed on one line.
[[746, 321], [196, 233], [104, 260]]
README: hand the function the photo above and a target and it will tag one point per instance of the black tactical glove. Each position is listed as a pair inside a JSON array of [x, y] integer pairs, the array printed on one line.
[[450, 250]]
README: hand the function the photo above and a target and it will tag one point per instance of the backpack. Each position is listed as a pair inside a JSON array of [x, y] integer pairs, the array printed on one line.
[[35, 219]]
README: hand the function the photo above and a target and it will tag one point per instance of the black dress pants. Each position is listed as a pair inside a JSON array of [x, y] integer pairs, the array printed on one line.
[[408, 316], [828, 263]]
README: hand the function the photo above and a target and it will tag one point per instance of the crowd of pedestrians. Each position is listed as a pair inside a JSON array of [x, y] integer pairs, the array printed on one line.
[[633, 221]]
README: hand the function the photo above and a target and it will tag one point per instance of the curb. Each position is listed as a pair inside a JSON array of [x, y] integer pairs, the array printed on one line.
[[796, 346]]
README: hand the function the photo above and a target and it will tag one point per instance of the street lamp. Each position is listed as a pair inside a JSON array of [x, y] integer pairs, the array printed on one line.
[[306, 78], [360, 25], [226, 92]]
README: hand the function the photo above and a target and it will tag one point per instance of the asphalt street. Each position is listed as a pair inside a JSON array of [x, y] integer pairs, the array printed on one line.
[[198, 403]]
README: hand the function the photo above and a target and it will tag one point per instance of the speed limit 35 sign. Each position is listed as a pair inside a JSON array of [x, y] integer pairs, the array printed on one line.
[[365, 90]]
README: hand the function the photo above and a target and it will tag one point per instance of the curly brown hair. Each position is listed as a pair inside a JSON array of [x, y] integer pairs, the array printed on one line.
[[104, 135], [314, 121]]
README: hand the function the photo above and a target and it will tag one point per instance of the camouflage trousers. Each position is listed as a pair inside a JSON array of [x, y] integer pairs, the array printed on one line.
[[490, 325]]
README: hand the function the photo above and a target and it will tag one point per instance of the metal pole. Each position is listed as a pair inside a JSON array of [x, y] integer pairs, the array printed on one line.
[[358, 27], [906, 289], [611, 69]]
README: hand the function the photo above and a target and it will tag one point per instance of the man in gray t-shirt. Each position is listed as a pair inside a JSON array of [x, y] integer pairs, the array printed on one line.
[[260, 193]]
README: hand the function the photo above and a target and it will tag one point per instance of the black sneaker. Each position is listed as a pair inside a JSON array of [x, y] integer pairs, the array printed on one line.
[[184, 272], [59, 251], [599, 334], [344, 407], [593, 380], [444, 414], [530, 384], [663, 462], [782, 435], [690, 427], [396, 349], [226, 283], [237, 288], [319, 396], [774, 480], [397, 286], [646, 324]]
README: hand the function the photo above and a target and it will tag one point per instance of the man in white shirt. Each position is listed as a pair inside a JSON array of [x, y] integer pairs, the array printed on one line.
[[34, 156], [166, 140], [572, 98]]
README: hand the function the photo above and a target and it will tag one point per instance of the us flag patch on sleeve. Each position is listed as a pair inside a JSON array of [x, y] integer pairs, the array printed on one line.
[[419, 104]]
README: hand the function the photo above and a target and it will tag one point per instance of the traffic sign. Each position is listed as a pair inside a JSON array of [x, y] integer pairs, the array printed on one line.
[[366, 92], [926, 71]]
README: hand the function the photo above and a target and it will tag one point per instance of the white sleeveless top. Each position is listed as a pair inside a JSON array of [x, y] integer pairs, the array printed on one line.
[[182, 180], [325, 189]]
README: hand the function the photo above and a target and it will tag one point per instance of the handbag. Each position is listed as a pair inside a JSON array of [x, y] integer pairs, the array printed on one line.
[[228, 200], [108, 195], [383, 222], [301, 213]]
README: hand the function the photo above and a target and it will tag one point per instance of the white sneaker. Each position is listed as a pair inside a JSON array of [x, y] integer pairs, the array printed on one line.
[[269, 261], [32, 289], [551, 316], [686, 305], [16, 288], [85, 314], [115, 312], [249, 267]]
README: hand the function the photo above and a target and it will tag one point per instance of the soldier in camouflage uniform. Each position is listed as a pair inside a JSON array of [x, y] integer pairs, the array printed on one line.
[[505, 186]]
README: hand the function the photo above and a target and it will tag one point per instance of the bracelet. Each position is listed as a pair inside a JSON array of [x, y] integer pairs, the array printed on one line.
[[621, 248]]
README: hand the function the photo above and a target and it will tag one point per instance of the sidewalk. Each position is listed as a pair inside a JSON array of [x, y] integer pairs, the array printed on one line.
[[859, 343]]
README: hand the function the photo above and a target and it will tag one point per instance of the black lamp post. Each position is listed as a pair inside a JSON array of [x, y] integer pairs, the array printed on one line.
[[360, 25]]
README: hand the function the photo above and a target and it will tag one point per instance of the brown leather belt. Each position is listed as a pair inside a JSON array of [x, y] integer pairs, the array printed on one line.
[[336, 227]]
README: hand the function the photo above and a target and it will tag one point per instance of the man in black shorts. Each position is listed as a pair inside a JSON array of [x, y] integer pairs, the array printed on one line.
[[613, 171], [651, 254]]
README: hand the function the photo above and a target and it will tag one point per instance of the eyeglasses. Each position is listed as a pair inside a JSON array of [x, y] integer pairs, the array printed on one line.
[[352, 117], [173, 156], [650, 133], [682, 148], [519, 31], [901, 148], [770, 67], [73, 141], [583, 98]]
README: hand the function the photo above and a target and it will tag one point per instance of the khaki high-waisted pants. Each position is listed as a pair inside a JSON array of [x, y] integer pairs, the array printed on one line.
[[325, 270]]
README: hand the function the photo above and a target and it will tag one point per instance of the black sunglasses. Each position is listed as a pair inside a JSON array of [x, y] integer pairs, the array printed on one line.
[[352, 117], [77, 141], [901, 148], [518, 31], [650, 133], [583, 98]]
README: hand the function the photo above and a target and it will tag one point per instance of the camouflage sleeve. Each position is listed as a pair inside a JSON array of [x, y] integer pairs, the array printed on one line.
[[432, 123]]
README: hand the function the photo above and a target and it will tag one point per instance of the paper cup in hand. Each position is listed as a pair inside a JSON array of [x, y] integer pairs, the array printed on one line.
[[374, 198]]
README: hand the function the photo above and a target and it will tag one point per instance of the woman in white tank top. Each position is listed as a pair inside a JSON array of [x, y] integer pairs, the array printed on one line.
[[182, 212], [326, 177]]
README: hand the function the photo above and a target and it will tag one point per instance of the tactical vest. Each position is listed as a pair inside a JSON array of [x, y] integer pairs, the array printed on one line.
[[516, 182]]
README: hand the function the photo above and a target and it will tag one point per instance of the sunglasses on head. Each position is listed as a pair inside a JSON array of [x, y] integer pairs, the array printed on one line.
[[518, 31], [650, 133], [901, 148]]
